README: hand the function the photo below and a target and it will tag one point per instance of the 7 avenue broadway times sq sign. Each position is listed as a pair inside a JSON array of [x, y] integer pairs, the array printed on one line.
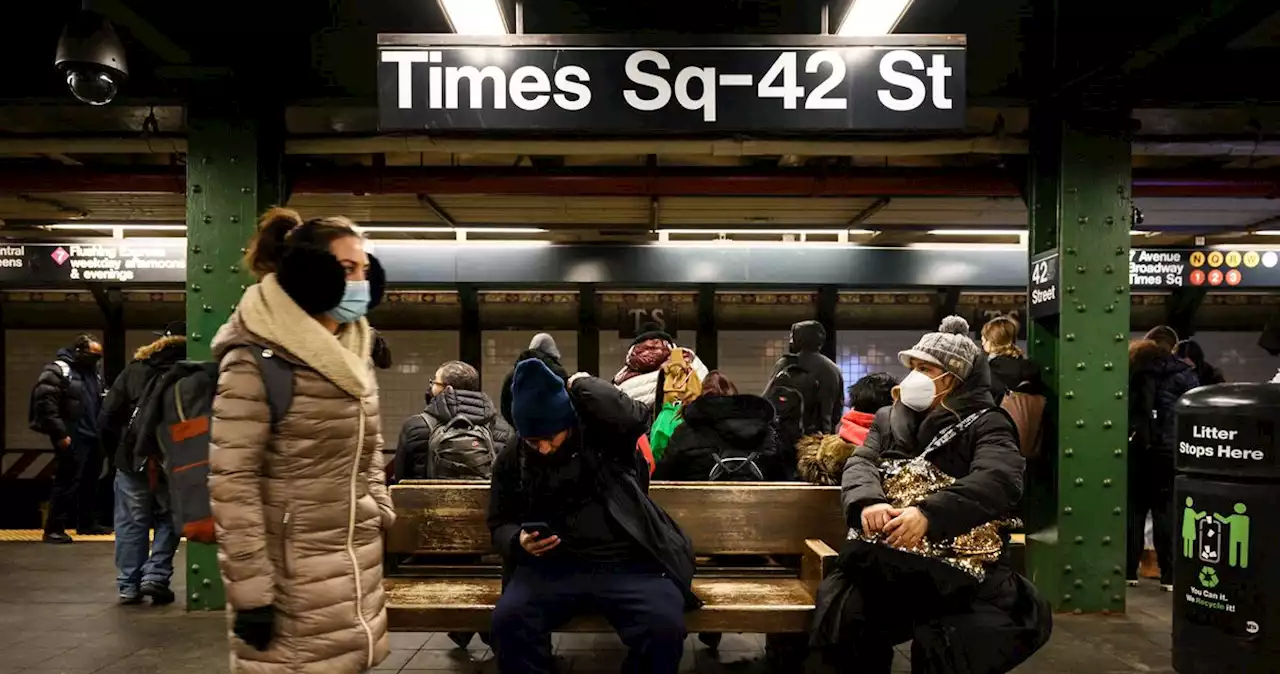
[[559, 83]]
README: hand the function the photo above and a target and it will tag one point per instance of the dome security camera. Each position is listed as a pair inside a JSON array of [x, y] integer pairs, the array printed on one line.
[[91, 58]]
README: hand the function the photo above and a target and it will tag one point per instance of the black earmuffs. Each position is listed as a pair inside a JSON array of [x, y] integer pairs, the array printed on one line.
[[312, 278], [377, 282], [316, 280]]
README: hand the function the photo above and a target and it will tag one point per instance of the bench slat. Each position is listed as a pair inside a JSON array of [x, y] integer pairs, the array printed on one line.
[[728, 518], [770, 605]]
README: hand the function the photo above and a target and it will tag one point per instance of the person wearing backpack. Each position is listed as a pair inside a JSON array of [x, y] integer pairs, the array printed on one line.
[[456, 435], [64, 407], [297, 490], [1157, 378], [141, 496], [725, 437], [806, 391], [890, 586]]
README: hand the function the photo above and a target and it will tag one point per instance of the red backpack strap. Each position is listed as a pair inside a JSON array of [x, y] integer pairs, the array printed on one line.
[[643, 445]]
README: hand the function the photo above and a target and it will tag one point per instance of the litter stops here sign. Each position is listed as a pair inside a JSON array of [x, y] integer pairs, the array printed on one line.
[[563, 84], [1158, 269], [1227, 552]]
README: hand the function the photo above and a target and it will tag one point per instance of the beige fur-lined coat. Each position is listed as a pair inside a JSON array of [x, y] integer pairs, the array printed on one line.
[[300, 513]]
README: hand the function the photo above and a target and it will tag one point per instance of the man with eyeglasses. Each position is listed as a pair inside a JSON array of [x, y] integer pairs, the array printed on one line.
[[570, 514]]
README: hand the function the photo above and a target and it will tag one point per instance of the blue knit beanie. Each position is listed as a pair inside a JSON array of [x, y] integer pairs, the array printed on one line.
[[540, 405]]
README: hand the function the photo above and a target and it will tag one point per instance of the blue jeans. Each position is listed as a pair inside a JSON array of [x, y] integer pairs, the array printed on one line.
[[138, 510]]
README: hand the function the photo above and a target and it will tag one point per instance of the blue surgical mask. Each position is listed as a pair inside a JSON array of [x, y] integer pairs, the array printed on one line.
[[354, 304]]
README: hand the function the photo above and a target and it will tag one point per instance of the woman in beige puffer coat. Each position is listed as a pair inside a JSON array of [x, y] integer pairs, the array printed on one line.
[[300, 509]]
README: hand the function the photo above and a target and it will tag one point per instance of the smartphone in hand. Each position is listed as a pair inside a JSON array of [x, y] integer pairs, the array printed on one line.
[[541, 528]]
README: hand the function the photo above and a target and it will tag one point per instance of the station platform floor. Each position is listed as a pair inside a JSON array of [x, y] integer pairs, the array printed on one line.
[[58, 613]]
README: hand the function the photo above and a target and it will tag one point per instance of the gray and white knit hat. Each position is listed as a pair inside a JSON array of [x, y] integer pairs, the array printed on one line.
[[950, 348]]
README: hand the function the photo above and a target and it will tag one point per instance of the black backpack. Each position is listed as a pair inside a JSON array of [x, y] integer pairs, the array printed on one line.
[[1144, 420], [793, 392], [180, 419], [458, 450]]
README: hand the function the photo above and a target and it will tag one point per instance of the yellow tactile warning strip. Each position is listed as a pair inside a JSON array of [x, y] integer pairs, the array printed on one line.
[[34, 535]]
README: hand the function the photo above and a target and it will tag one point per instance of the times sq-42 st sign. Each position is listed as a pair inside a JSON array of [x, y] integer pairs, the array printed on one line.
[[550, 83]]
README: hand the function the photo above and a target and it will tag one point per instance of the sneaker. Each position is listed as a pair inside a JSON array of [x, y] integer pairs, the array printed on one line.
[[95, 530], [130, 596], [56, 537], [1167, 587], [159, 594], [1131, 582]]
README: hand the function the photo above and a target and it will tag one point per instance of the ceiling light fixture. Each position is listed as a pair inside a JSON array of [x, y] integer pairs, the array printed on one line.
[[404, 229], [475, 17], [766, 232], [88, 227], [976, 232], [871, 17]]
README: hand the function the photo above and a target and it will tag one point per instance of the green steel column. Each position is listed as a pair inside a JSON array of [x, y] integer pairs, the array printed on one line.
[[234, 158], [1080, 203]]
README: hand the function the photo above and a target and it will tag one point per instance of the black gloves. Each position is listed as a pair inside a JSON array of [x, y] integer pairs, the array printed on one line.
[[254, 626]]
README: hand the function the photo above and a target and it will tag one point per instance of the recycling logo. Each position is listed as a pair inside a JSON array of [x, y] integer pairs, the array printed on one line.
[[1208, 577]]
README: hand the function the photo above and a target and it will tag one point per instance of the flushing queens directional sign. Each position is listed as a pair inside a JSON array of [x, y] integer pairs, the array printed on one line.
[[559, 83]]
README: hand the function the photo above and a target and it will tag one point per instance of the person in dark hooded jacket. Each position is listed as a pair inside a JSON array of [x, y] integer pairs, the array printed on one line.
[[1193, 354], [1157, 378], [141, 501], [807, 338], [723, 424], [64, 407], [606, 547], [455, 392], [884, 595]]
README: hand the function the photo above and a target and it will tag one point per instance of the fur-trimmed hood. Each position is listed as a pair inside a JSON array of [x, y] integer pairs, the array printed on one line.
[[172, 342], [821, 458]]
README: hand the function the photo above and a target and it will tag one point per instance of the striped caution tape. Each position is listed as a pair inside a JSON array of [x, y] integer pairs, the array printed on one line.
[[27, 465]]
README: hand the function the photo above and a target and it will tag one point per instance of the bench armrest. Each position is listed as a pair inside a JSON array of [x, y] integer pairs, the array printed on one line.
[[818, 561]]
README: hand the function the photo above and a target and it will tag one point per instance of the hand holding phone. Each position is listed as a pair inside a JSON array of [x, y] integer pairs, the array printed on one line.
[[537, 538]]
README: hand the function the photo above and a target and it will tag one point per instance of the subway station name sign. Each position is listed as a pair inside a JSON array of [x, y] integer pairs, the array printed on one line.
[[570, 83]]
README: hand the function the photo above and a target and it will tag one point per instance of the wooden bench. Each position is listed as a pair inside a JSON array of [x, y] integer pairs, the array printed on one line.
[[762, 550]]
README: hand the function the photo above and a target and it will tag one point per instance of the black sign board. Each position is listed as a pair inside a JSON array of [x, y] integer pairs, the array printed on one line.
[[1043, 293], [1222, 269], [111, 261], [634, 320], [559, 83], [1226, 569], [1210, 441]]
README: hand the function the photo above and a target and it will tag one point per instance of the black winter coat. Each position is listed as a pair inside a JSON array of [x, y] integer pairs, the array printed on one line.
[[610, 423], [412, 455], [725, 425], [1013, 374], [806, 343], [1154, 387], [58, 400], [119, 435], [984, 459]]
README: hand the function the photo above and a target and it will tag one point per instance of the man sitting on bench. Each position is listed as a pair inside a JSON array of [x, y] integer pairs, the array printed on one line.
[[570, 514]]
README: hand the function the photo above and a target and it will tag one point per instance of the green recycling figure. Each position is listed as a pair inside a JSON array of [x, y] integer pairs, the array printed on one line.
[[1189, 519], [1238, 544]]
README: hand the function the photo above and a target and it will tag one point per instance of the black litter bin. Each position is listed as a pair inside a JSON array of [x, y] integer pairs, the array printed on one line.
[[1226, 526]]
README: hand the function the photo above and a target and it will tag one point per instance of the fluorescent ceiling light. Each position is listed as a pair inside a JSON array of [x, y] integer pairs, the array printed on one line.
[[766, 232], [868, 17], [1268, 232], [475, 17], [399, 229], [976, 232], [85, 227]]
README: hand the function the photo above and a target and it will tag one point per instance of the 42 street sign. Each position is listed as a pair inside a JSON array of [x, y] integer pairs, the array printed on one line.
[[557, 83]]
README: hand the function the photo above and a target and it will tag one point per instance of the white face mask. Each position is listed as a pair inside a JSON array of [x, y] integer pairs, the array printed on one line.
[[917, 390]]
